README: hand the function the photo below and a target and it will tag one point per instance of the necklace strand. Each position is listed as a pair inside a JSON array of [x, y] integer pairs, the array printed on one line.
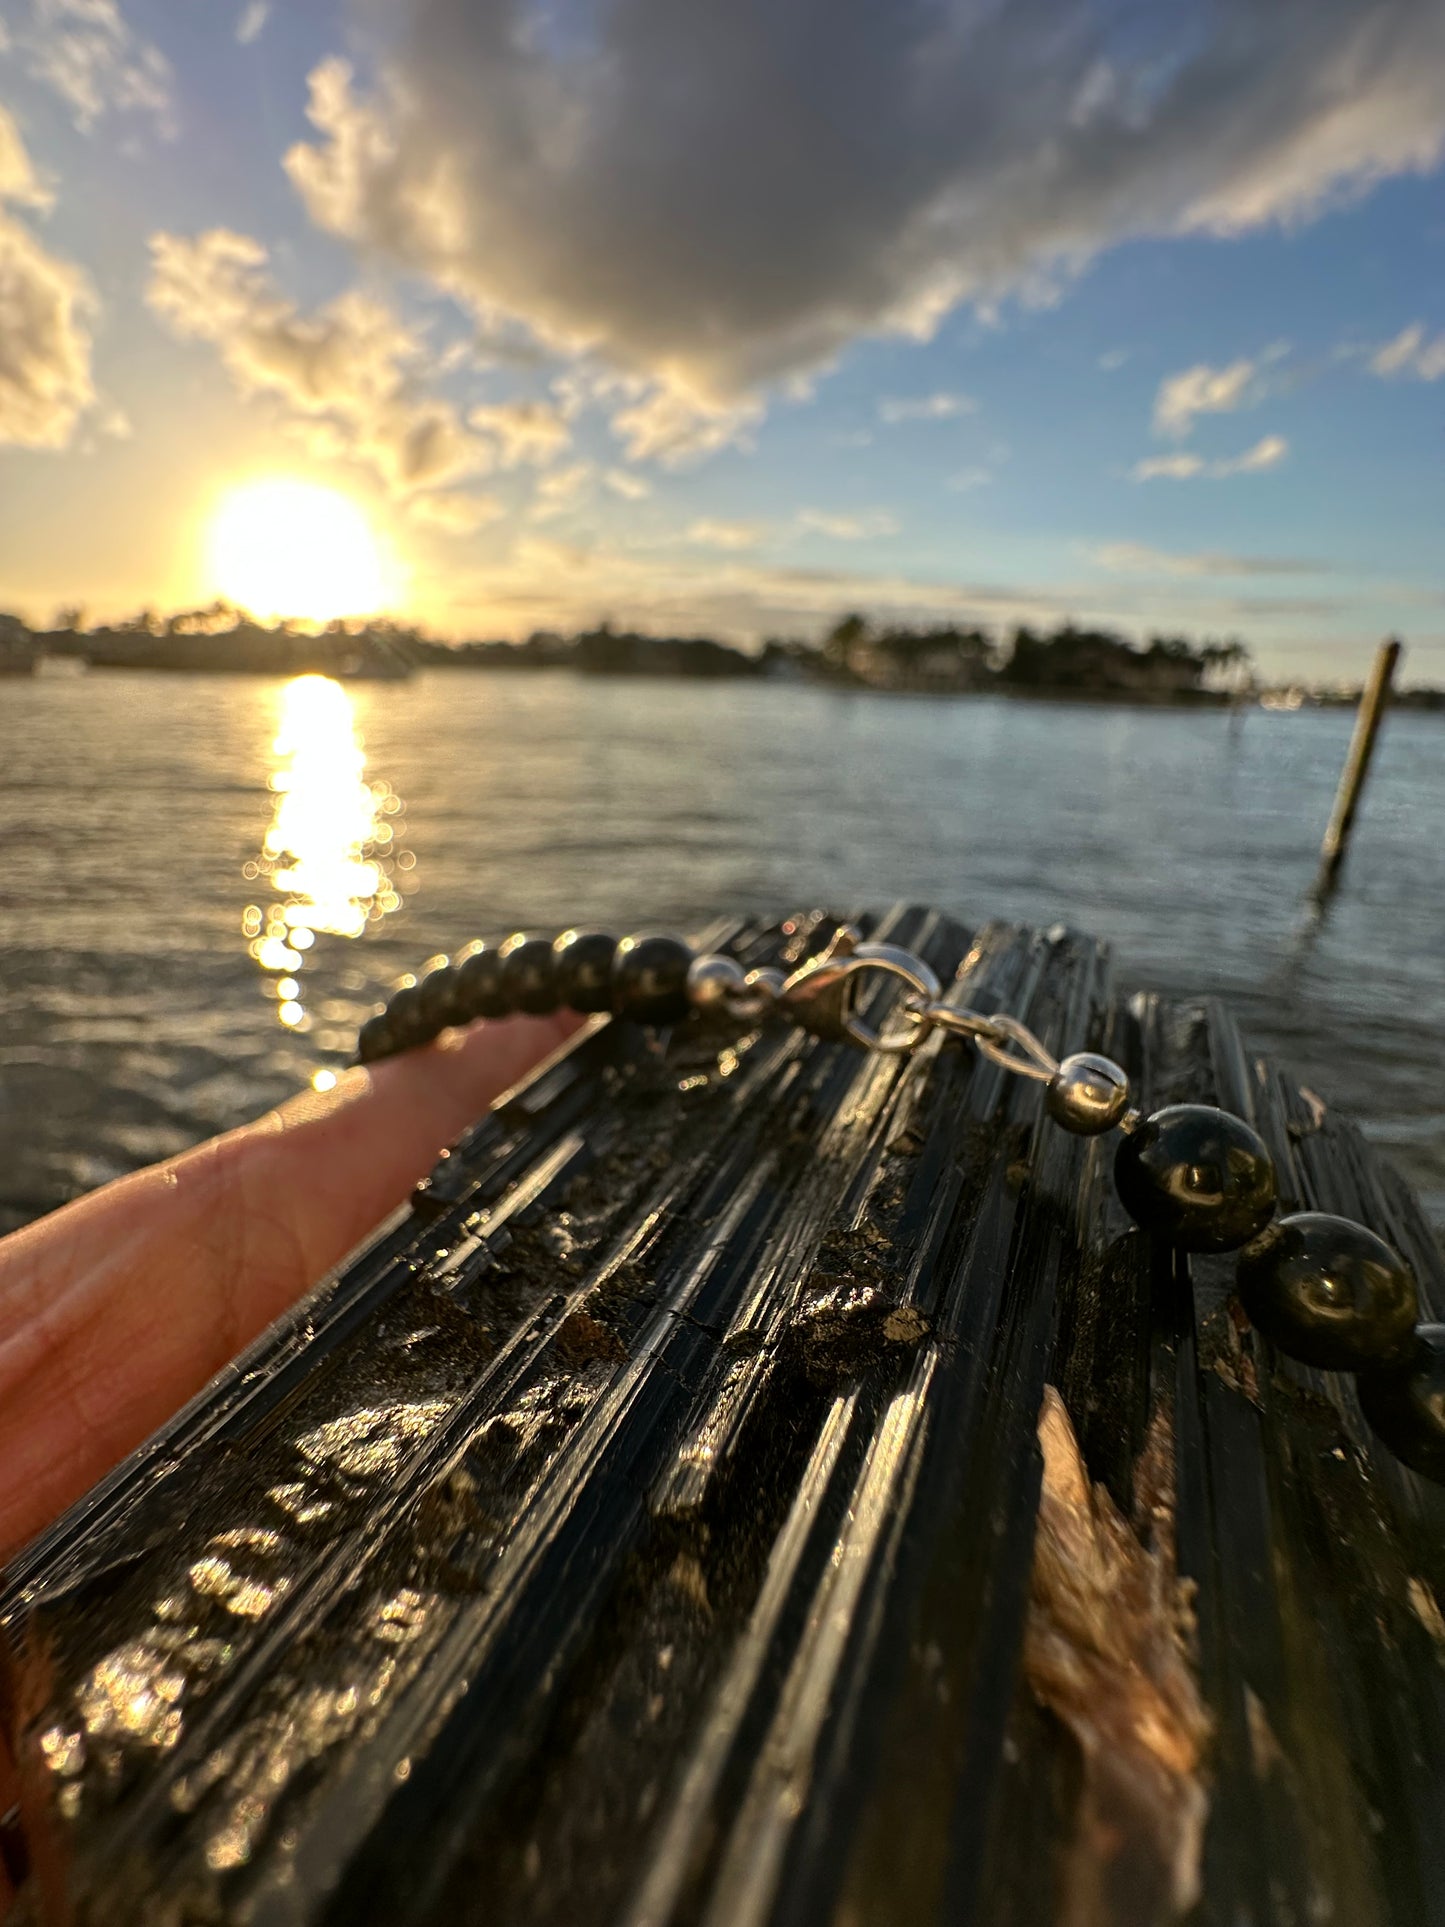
[[1325, 1290]]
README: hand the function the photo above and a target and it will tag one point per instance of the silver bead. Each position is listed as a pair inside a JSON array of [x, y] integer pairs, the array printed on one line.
[[712, 982], [1087, 1094]]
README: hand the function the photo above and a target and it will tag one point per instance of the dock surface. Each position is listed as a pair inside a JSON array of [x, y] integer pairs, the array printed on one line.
[[765, 1482]]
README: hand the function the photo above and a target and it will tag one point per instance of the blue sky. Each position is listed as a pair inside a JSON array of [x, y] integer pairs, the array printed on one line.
[[714, 318]]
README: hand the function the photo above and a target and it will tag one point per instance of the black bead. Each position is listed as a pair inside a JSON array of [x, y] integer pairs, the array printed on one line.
[[529, 974], [1405, 1404], [584, 969], [649, 979], [374, 1040], [407, 1019], [480, 991], [1196, 1176], [1329, 1292], [438, 995]]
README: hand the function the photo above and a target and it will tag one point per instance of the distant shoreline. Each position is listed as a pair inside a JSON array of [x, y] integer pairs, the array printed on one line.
[[858, 656], [1419, 700]]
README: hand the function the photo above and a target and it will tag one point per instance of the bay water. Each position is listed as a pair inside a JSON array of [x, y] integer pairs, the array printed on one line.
[[207, 882]]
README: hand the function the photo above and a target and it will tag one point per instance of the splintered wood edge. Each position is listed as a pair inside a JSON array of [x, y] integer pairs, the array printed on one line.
[[1108, 1650]]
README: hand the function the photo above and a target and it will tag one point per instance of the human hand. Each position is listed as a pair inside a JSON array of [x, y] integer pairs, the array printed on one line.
[[116, 1309]]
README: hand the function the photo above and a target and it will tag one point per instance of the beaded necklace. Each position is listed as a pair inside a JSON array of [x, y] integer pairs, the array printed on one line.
[[1327, 1291]]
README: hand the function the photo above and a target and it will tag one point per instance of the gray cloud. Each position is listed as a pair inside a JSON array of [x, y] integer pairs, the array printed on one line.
[[45, 384], [711, 197], [747, 596], [1137, 558]]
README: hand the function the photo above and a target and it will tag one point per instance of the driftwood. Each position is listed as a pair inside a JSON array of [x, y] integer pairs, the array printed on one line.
[[763, 1482]]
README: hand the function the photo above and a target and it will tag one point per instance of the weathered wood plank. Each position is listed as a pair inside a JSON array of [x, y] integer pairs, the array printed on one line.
[[652, 1527]]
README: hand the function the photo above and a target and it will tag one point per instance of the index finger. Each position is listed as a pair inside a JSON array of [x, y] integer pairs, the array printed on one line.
[[116, 1309]]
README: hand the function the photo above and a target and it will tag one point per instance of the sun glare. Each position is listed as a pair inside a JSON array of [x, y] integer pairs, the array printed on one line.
[[290, 548]]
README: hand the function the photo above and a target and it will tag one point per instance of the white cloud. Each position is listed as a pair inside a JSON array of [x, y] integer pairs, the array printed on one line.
[[560, 490], [671, 427], [1268, 452], [253, 18], [925, 408], [848, 528], [632, 488], [453, 512], [1411, 353], [525, 431], [966, 478], [1176, 468], [595, 189], [1203, 390], [348, 378], [86, 53], [45, 381], [711, 533], [1114, 359]]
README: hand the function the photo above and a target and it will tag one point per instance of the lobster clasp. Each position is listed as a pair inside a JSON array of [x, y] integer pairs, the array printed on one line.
[[822, 995]]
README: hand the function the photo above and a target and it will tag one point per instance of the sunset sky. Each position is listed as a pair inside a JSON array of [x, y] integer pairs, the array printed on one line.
[[730, 317]]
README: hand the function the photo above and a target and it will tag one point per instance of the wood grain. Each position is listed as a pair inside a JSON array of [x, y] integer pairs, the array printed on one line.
[[644, 1529]]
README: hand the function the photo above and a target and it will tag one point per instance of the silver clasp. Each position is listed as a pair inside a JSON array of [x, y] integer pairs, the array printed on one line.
[[822, 995]]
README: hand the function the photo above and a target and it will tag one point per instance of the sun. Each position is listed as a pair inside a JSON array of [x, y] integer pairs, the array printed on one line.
[[281, 547]]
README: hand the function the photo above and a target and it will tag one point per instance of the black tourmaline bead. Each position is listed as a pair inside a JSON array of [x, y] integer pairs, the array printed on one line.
[[438, 994], [407, 1019], [480, 990], [374, 1040], [584, 969], [529, 975], [1329, 1292], [1405, 1404], [1196, 1176], [649, 979]]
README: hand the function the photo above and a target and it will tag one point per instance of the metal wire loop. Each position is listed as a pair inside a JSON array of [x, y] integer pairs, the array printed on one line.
[[1037, 1061], [998, 1036]]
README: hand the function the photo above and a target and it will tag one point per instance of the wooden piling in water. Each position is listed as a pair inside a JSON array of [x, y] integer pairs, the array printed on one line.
[[1373, 699]]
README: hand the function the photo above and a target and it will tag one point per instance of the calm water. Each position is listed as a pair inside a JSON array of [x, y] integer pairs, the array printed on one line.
[[207, 882]]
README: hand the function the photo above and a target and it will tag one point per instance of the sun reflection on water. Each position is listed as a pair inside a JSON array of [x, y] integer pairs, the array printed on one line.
[[334, 846]]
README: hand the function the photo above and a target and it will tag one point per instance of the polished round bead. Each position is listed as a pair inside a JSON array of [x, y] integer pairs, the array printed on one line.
[[649, 979], [712, 982], [480, 990], [406, 1018], [374, 1040], [438, 994], [1329, 1292], [582, 960], [1405, 1404], [1197, 1176], [1087, 1094], [529, 975]]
